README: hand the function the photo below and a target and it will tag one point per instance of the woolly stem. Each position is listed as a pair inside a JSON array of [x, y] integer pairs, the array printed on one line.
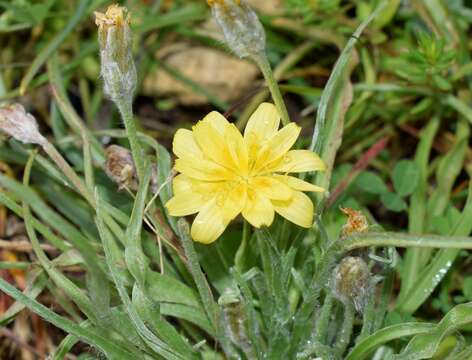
[[264, 66]]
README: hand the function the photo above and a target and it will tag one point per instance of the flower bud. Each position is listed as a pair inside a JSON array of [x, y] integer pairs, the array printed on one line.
[[241, 27], [351, 281], [234, 320], [114, 38], [16, 122], [120, 167]]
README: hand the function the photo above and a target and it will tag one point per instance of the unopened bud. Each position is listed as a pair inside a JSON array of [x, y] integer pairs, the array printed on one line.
[[234, 320], [241, 27], [351, 281], [120, 168], [114, 38], [356, 222], [16, 122]]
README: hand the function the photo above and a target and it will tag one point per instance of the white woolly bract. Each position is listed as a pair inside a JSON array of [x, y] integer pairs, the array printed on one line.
[[117, 65], [243, 32], [16, 122]]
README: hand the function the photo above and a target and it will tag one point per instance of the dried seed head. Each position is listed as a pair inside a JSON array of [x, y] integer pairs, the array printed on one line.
[[241, 27], [120, 167], [16, 122], [356, 222], [351, 281], [114, 38]]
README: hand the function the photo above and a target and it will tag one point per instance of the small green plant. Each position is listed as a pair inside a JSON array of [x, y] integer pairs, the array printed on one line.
[[429, 64]]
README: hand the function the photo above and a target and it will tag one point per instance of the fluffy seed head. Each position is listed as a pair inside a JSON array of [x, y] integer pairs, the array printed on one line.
[[16, 122], [241, 27]]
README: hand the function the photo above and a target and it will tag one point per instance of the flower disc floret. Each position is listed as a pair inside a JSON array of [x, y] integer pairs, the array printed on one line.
[[224, 173]]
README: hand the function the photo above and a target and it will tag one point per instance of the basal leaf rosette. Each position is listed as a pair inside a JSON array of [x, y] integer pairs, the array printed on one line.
[[223, 173]]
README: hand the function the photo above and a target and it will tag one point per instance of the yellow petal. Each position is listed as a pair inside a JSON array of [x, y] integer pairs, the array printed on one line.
[[237, 148], [283, 140], [181, 184], [298, 184], [202, 170], [208, 224], [263, 123], [217, 120], [185, 204], [300, 161], [186, 200], [271, 188], [232, 202], [259, 210], [276, 148], [299, 209], [184, 145], [212, 143]]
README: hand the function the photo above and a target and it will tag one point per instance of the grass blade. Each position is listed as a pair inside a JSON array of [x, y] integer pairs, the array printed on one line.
[[151, 340], [424, 346], [363, 349], [110, 348], [417, 211], [53, 45]]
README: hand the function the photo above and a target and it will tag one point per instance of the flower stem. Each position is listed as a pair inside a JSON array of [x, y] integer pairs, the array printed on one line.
[[324, 319], [209, 304], [264, 66], [344, 335], [239, 258], [126, 111], [68, 172]]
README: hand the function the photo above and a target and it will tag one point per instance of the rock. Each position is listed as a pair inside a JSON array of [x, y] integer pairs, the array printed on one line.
[[267, 7], [221, 74]]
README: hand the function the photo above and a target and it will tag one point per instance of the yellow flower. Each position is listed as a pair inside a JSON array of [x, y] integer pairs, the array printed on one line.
[[223, 174]]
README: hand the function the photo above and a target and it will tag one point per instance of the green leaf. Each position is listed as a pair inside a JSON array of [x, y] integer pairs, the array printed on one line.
[[164, 288], [188, 313], [417, 211], [424, 346], [393, 202], [467, 287], [110, 348], [150, 313], [406, 176], [437, 268], [371, 183], [147, 335], [36, 282], [136, 261], [369, 344]]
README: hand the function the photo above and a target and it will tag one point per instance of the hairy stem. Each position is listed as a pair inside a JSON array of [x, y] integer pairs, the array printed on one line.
[[266, 70], [126, 111]]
